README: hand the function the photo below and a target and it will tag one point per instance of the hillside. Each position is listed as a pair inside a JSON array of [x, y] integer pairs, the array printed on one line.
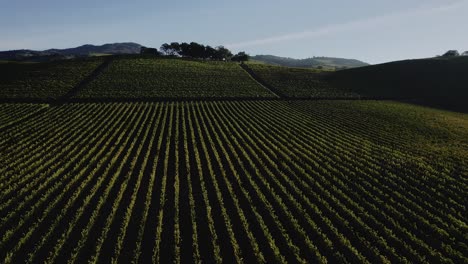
[[127, 77], [113, 49], [326, 62], [298, 82], [411, 78], [437, 81], [45, 80], [146, 78]]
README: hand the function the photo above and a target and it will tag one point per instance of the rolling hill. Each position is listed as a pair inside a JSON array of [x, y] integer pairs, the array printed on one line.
[[298, 82], [112, 49], [433, 77], [134, 48], [436, 81], [150, 78], [314, 62], [46, 80]]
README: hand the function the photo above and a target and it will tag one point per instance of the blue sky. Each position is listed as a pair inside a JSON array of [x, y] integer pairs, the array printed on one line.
[[370, 30]]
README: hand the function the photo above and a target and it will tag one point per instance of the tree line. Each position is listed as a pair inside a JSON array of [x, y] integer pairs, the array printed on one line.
[[195, 50], [454, 53]]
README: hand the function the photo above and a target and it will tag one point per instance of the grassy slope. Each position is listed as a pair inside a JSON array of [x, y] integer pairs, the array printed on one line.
[[297, 82], [438, 77], [172, 78], [43, 80], [436, 82]]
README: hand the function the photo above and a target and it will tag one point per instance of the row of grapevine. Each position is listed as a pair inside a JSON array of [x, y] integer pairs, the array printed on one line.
[[350, 161], [299, 82], [172, 78], [44, 80], [217, 182], [14, 113]]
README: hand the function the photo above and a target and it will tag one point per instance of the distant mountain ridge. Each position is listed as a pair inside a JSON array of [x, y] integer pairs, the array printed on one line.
[[81, 51], [114, 48], [310, 62], [134, 48]]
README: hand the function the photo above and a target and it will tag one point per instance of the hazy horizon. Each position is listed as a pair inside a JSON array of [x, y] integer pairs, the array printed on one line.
[[363, 30]]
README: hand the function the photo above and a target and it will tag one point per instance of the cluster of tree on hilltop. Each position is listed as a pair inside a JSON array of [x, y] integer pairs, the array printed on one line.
[[454, 53], [195, 50]]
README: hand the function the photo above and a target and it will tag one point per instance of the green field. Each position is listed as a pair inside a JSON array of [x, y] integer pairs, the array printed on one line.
[[173, 78], [43, 80], [242, 181], [299, 83], [435, 81], [13, 113]]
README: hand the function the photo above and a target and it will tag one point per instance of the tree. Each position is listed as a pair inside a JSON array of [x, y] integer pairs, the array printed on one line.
[[451, 53], [149, 51], [167, 49], [172, 49], [196, 50], [209, 52], [221, 53], [184, 49], [175, 47], [241, 57]]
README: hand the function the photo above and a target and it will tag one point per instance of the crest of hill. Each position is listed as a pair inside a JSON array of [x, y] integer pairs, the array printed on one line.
[[114, 48], [309, 62], [435, 80], [432, 77]]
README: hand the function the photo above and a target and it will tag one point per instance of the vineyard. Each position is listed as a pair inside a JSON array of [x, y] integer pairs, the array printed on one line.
[[13, 113], [299, 83], [222, 182], [43, 80], [144, 78]]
